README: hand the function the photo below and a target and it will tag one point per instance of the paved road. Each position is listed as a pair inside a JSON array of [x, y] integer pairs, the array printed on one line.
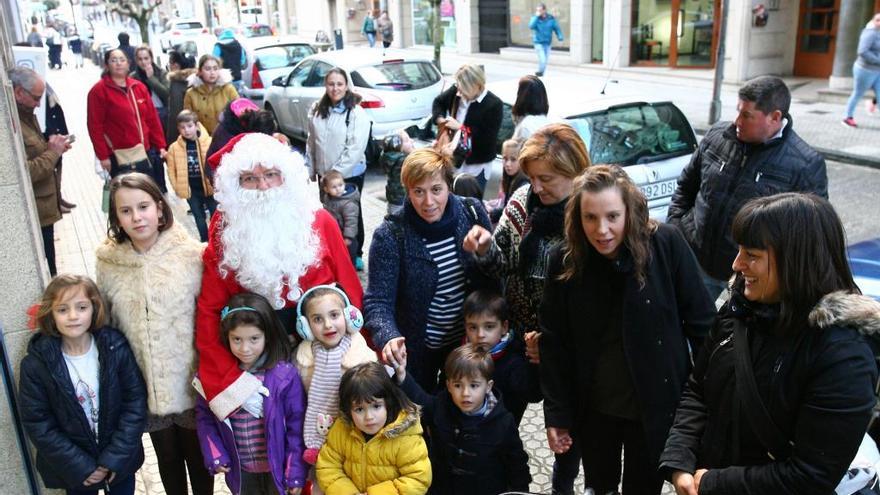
[[853, 192]]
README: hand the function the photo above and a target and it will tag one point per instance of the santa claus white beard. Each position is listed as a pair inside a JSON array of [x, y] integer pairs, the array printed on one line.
[[268, 240]]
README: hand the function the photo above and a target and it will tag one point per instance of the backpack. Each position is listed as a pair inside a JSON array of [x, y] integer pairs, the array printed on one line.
[[373, 152]]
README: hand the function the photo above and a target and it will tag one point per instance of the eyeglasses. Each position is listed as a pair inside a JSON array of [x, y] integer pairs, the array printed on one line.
[[271, 177], [33, 96]]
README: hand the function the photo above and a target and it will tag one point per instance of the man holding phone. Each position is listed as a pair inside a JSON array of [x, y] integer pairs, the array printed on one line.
[[42, 154]]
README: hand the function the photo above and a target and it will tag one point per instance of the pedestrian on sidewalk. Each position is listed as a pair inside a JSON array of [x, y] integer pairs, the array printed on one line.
[[368, 29], [149, 270], [543, 26], [180, 67], [56, 123], [34, 38], [210, 90], [82, 397], [866, 69], [74, 43], [126, 47], [43, 154], [53, 41], [756, 155], [122, 121], [386, 28], [232, 54], [614, 379], [338, 132]]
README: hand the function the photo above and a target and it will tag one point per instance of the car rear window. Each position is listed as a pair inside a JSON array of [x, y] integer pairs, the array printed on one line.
[[635, 133], [276, 57], [396, 76], [188, 25], [255, 31]]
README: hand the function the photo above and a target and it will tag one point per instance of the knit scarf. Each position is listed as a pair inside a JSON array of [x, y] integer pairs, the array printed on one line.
[[544, 221], [439, 230], [323, 400]]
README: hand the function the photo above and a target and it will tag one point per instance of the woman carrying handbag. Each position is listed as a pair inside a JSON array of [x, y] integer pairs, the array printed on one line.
[[122, 121]]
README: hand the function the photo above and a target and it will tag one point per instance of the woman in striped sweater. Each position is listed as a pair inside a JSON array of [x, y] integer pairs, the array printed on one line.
[[419, 276]]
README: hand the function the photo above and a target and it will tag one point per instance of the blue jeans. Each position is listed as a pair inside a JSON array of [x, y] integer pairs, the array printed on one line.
[[124, 487], [543, 52], [862, 80], [371, 39], [198, 203], [239, 87]]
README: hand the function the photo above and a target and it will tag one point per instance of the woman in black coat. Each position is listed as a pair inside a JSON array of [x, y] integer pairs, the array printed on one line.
[[468, 104], [622, 308], [796, 319]]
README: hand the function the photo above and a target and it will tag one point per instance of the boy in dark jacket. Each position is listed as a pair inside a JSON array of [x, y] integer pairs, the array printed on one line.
[[486, 325], [395, 149], [475, 445], [343, 202]]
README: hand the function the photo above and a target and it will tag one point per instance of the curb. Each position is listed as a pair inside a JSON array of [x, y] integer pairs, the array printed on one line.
[[829, 154]]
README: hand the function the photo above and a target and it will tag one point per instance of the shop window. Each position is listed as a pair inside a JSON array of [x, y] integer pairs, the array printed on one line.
[[521, 12], [423, 22]]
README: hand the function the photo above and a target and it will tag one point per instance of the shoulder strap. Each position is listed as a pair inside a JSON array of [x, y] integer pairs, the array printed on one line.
[[471, 210], [347, 115], [778, 446]]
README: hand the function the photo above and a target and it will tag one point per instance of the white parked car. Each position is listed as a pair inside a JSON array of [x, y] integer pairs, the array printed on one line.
[[397, 88], [269, 59], [178, 31], [649, 137]]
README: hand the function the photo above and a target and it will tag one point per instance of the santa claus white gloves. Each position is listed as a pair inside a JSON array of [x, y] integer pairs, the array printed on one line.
[[254, 403]]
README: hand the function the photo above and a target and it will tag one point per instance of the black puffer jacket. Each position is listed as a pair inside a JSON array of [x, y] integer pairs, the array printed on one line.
[[67, 451], [471, 456], [724, 174], [818, 386]]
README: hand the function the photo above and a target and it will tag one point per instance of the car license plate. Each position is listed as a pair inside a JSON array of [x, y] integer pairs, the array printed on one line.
[[659, 189]]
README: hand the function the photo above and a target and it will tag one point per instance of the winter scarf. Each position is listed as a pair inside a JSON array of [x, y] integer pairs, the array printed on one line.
[[323, 395], [544, 221], [437, 231]]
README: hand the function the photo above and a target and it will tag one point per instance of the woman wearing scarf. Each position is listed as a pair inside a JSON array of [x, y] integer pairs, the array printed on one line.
[[419, 276], [530, 227]]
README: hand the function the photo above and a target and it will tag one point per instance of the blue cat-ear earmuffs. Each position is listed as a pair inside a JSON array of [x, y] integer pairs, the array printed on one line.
[[354, 319]]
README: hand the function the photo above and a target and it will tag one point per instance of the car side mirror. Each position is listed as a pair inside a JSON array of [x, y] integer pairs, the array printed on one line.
[[278, 81]]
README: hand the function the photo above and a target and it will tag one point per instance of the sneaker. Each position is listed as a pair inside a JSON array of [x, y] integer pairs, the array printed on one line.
[[539, 74], [359, 264], [850, 122]]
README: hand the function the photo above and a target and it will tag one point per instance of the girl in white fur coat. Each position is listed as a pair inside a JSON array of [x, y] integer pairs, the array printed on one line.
[[149, 270]]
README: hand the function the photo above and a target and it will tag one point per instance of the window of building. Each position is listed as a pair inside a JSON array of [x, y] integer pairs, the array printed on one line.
[[423, 22], [521, 12]]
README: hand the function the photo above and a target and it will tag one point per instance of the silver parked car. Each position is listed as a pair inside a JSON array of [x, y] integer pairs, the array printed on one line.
[[269, 59], [397, 88]]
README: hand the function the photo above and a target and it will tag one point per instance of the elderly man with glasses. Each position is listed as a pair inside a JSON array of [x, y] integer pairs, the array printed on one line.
[[42, 154]]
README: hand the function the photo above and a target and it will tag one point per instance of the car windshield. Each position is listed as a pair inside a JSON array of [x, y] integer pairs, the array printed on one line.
[[276, 57], [635, 133], [188, 25], [255, 31], [396, 76]]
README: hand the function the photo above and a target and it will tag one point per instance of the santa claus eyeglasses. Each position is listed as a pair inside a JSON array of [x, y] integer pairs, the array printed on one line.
[[272, 178]]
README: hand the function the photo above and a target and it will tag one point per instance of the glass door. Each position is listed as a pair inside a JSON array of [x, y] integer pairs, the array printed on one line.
[[816, 38], [651, 29], [677, 33], [695, 34]]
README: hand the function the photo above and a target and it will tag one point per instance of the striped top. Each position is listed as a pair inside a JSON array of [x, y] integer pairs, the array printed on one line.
[[250, 439], [444, 325]]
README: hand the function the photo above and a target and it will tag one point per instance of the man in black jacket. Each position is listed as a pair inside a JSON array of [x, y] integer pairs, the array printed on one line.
[[758, 154]]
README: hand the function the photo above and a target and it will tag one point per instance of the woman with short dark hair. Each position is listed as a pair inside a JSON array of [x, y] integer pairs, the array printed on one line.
[[782, 392], [530, 108], [622, 308]]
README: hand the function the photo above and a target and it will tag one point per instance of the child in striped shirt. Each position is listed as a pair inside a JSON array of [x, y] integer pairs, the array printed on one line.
[[260, 451]]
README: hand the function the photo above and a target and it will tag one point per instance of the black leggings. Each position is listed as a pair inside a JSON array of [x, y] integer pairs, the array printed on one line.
[[601, 438], [177, 450]]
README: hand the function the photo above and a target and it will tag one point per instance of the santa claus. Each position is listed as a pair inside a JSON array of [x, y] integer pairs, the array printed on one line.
[[269, 236]]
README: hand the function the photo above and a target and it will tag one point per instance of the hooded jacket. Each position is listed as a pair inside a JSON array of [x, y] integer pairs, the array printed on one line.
[[724, 173], [230, 51], [394, 461], [111, 113], [209, 103], [283, 412], [345, 210], [67, 450], [178, 170], [152, 299], [817, 386], [471, 455]]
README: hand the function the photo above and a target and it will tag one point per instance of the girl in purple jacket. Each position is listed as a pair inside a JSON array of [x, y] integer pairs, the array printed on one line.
[[259, 446]]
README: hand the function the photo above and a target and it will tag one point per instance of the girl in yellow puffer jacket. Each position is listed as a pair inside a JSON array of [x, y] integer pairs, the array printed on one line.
[[377, 448]]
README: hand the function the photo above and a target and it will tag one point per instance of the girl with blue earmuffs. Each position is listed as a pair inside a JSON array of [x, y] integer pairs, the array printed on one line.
[[329, 326]]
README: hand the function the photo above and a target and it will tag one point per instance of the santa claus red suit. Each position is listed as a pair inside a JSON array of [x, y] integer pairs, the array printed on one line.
[[274, 240]]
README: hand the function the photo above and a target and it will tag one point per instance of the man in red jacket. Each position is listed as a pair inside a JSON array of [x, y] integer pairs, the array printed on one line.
[[269, 236]]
